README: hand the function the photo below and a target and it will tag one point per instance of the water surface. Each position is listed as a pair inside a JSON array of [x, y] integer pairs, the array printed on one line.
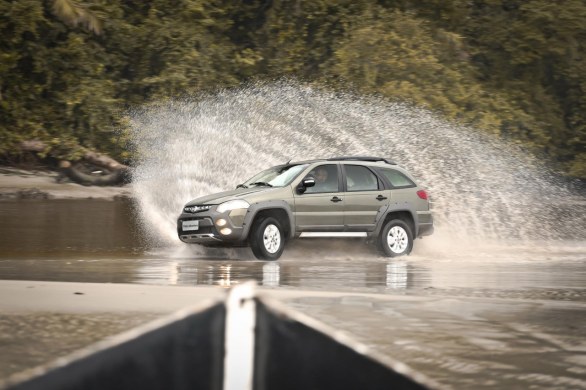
[[99, 241]]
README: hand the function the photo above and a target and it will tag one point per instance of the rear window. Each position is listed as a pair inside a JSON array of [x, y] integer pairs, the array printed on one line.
[[396, 178]]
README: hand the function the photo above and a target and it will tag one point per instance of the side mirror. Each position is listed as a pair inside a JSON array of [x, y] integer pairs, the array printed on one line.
[[308, 182], [305, 183]]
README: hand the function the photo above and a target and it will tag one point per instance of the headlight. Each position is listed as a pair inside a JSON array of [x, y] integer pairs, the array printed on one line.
[[232, 204]]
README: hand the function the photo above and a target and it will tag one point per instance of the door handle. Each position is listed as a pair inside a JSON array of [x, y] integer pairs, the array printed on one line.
[[336, 199], [380, 197]]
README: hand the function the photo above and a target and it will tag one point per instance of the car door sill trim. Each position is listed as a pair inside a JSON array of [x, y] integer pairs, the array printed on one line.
[[332, 234]]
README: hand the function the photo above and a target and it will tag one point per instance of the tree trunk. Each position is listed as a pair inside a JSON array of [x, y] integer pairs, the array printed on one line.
[[112, 172]]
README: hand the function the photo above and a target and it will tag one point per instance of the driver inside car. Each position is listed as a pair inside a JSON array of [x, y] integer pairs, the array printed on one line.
[[324, 181]]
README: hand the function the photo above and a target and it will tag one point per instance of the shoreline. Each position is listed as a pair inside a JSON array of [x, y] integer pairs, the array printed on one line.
[[21, 184]]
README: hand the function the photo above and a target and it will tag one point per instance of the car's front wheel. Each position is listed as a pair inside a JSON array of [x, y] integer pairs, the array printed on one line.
[[266, 239], [396, 239]]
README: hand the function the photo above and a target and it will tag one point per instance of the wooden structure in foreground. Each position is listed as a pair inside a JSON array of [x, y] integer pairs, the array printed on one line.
[[246, 342]]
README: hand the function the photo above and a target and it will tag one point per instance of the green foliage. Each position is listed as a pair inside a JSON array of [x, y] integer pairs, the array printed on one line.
[[64, 84], [54, 82], [405, 57], [538, 60], [514, 68]]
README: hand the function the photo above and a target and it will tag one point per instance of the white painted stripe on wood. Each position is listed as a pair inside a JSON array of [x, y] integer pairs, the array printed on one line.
[[239, 338]]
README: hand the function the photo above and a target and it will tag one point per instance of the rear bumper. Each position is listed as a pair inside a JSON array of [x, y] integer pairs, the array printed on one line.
[[425, 224], [425, 230]]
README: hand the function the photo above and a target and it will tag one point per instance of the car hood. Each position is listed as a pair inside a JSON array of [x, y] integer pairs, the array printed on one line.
[[220, 197]]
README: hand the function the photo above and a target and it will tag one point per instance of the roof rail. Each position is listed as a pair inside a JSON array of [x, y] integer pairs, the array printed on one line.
[[362, 158]]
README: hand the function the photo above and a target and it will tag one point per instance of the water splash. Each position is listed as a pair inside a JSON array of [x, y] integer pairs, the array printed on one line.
[[481, 188]]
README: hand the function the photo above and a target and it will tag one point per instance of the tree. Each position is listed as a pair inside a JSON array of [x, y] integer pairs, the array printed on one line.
[[74, 13]]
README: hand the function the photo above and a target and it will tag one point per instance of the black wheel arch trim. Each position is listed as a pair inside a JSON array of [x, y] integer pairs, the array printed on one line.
[[255, 208], [393, 208]]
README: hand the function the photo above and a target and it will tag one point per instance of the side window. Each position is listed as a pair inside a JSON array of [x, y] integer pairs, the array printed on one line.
[[326, 179], [359, 178], [396, 178]]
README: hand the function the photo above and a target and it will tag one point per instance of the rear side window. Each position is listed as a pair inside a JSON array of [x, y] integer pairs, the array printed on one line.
[[396, 178], [359, 178]]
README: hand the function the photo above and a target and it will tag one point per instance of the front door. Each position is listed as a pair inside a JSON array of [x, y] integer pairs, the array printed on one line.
[[321, 207]]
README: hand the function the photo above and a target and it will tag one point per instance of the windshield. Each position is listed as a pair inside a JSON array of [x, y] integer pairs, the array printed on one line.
[[276, 176]]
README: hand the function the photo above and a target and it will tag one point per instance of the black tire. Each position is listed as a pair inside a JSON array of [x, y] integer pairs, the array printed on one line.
[[274, 248], [401, 232]]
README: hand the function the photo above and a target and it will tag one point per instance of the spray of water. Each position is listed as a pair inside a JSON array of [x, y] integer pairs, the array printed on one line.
[[481, 188]]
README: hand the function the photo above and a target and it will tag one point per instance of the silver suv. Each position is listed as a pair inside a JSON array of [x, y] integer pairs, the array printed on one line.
[[338, 197]]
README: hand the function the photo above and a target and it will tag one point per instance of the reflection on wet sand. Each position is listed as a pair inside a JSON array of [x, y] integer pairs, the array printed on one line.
[[548, 275], [379, 274], [397, 275], [271, 274], [560, 269], [67, 228]]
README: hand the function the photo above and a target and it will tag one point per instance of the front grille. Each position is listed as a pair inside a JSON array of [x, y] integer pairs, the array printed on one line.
[[202, 220], [202, 230], [196, 208]]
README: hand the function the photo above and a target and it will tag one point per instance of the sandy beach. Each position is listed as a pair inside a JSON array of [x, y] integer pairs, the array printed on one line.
[[41, 184]]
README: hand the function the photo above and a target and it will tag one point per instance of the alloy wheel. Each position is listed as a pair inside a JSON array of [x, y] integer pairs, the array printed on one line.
[[272, 238], [397, 239]]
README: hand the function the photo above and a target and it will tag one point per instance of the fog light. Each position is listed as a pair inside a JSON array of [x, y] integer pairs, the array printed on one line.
[[226, 231], [221, 222]]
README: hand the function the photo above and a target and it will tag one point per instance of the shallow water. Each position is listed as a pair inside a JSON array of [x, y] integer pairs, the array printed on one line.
[[97, 241]]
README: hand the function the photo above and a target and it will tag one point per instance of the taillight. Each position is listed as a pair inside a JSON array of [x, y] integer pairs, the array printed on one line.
[[422, 194]]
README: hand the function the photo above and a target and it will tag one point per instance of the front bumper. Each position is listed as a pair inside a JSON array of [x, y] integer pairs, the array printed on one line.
[[208, 232]]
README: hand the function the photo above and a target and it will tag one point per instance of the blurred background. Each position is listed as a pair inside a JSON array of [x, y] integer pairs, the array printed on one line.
[[70, 70]]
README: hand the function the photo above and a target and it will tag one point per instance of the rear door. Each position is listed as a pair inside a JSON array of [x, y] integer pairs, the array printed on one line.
[[365, 195], [321, 208]]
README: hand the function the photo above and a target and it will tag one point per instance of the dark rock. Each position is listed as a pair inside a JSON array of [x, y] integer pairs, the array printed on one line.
[[32, 193]]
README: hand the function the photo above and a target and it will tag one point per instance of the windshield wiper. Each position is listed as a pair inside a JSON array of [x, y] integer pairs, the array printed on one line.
[[241, 186], [261, 183]]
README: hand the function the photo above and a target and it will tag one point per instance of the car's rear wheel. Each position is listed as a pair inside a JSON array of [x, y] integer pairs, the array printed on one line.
[[396, 239], [266, 239]]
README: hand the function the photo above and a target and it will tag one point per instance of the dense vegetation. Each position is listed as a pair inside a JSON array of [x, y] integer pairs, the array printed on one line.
[[516, 68]]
